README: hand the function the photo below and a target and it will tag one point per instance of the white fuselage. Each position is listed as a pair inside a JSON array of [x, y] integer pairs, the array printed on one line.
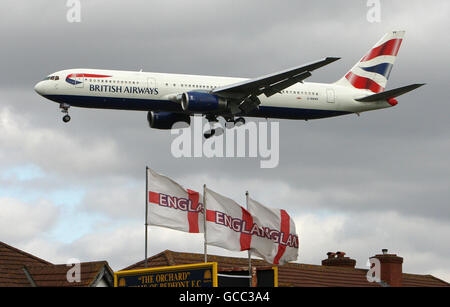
[[129, 90]]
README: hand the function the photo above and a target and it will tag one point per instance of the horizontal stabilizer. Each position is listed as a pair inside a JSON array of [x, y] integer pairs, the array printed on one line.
[[386, 95]]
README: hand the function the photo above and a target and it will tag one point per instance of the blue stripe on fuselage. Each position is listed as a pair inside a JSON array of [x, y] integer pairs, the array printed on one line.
[[170, 106], [116, 103]]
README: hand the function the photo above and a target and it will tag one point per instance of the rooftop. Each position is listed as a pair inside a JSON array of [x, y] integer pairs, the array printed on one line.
[[291, 274], [20, 269]]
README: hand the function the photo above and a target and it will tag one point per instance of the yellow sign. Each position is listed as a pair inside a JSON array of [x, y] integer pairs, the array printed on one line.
[[190, 275]]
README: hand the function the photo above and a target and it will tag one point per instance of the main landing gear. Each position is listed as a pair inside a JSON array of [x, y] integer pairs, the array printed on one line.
[[239, 121], [65, 109], [211, 132], [230, 122]]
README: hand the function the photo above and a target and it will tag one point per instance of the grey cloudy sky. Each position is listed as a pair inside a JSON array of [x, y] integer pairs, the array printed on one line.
[[357, 184]]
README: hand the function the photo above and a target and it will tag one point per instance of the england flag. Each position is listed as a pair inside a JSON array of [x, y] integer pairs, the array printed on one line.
[[172, 206], [268, 233], [279, 228], [228, 224]]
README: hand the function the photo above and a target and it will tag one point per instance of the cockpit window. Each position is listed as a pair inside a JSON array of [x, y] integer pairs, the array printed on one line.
[[52, 78]]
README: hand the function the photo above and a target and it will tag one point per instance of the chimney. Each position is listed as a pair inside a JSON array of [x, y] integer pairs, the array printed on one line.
[[391, 268], [338, 259]]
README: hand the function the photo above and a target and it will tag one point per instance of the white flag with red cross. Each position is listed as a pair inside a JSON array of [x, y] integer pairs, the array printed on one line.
[[268, 233], [279, 228], [172, 206], [227, 223]]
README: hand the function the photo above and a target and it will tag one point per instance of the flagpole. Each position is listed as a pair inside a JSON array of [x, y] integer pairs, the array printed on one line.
[[249, 252], [146, 213], [204, 223]]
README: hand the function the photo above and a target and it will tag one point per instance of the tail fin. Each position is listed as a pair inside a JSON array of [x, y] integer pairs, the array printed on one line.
[[372, 71]]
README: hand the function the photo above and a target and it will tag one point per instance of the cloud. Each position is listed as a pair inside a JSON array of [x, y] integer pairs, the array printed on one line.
[[70, 154], [116, 198], [21, 221]]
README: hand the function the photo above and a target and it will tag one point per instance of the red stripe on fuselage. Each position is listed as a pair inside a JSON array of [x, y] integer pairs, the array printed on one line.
[[88, 76]]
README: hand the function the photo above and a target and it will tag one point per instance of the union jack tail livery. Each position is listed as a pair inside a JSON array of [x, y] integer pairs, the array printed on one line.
[[373, 70]]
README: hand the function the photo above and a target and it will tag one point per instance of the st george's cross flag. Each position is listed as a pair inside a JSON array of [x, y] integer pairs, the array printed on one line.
[[279, 228], [227, 223], [268, 233], [172, 206]]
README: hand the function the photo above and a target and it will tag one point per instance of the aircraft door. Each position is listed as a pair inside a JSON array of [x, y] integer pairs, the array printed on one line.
[[330, 95]]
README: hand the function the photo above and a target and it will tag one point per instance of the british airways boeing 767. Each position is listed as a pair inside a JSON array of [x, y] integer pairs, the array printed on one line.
[[171, 98]]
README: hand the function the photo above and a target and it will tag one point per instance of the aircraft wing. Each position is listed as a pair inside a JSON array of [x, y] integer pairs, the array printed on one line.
[[272, 83]]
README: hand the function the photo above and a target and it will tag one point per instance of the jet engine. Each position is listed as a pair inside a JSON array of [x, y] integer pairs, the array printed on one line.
[[165, 120], [198, 102]]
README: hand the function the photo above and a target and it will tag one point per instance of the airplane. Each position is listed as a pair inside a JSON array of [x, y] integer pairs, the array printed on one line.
[[172, 98]]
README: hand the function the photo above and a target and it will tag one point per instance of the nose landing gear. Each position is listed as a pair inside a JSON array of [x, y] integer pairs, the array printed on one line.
[[65, 109], [66, 118]]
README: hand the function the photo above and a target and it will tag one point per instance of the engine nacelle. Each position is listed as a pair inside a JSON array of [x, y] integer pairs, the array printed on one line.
[[198, 102], [165, 120]]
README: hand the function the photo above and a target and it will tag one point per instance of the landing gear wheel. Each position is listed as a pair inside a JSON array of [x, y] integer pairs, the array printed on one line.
[[239, 121], [65, 110], [209, 133], [66, 118], [218, 131], [229, 122]]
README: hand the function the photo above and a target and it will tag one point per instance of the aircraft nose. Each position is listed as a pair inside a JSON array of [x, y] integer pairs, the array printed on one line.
[[39, 88]]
